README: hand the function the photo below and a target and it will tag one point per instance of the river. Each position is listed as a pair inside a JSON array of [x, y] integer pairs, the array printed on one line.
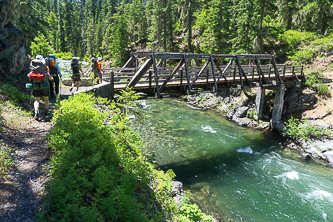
[[232, 172]]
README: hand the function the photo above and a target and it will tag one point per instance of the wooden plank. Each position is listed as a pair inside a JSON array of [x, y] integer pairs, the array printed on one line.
[[181, 62], [187, 75], [156, 77], [224, 70], [143, 69], [200, 72], [213, 71]]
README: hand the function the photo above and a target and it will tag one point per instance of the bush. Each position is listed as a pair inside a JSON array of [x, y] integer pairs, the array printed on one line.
[[40, 46], [302, 56], [295, 38], [98, 172], [14, 94], [64, 55], [312, 80], [323, 90], [297, 130]]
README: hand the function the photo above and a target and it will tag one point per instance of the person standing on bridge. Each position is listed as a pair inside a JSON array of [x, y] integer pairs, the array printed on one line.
[[76, 69]]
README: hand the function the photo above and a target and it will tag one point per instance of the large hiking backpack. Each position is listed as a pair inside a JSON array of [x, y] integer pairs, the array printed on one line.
[[75, 66], [37, 66], [93, 64]]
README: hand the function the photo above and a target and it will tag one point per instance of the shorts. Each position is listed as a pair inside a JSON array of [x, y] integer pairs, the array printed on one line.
[[40, 92], [76, 78], [97, 73]]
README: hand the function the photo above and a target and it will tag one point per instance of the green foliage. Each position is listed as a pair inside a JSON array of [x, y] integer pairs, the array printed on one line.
[[302, 56], [324, 44], [40, 46], [191, 212], [14, 94], [98, 172], [64, 55], [297, 130], [312, 80], [252, 114], [127, 98], [295, 38], [119, 40], [323, 90], [5, 160]]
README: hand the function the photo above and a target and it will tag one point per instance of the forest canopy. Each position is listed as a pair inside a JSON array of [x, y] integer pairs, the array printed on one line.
[[113, 28]]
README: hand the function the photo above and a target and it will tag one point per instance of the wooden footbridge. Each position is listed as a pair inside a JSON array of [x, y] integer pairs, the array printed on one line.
[[160, 70]]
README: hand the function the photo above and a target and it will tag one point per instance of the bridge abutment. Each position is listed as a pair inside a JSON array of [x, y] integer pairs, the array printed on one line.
[[260, 99], [276, 123]]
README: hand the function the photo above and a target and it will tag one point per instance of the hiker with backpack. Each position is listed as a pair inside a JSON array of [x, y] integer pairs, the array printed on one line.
[[76, 69], [55, 72], [96, 67], [39, 76]]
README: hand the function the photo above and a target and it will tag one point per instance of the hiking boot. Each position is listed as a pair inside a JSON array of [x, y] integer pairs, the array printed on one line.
[[36, 114], [71, 89]]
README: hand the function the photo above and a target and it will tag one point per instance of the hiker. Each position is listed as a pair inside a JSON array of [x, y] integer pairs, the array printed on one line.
[[96, 66], [39, 76], [55, 72], [76, 69]]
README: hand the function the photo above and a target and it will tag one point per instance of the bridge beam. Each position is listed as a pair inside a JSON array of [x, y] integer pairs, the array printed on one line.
[[260, 99], [276, 123]]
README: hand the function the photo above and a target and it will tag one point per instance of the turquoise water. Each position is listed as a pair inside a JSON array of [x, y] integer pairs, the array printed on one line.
[[235, 173]]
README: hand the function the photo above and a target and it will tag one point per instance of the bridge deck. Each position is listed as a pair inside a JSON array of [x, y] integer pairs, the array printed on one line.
[[209, 69]]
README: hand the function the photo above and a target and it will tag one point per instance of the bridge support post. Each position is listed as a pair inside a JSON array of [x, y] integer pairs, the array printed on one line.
[[260, 99], [112, 86], [277, 108]]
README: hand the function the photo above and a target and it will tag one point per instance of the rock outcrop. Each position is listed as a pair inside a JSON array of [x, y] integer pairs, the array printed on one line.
[[12, 44]]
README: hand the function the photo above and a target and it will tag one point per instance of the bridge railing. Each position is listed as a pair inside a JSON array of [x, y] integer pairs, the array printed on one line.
[[231, 75]]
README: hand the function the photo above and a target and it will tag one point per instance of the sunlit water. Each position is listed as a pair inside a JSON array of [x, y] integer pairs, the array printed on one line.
[[234, 172]]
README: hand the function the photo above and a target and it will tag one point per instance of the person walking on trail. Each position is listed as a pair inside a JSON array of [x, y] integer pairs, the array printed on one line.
[[39, 76], [96, 66], [76, 69], [55, 72]]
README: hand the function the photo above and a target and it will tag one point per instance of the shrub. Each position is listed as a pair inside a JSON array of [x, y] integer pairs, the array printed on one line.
[[323, 90], [64, 55], [14, 94], [40, 46], [302, 56], [312, 80], [295, 38], [98, 172], [297, 130], [5, 160]]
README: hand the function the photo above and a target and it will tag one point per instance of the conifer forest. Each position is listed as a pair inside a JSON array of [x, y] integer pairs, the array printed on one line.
[[113, 28]]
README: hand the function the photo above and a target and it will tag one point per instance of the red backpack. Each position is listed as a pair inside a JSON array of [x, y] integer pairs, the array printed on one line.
[[37, 68]]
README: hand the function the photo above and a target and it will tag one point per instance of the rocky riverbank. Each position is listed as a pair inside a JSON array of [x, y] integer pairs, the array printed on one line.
[[304, 104]]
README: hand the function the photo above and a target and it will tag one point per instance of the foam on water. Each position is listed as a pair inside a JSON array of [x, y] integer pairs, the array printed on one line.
[[245, 150], [208, 129], [143, 104], [320, 194], [293, 175]]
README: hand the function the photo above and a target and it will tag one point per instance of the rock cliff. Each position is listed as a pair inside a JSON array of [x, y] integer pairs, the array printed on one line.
[[12, 44]]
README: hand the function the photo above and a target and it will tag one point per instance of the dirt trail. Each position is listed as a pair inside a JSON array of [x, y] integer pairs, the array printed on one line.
[[22, 189]]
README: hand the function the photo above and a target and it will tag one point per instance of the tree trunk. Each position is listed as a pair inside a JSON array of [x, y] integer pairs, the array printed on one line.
[[189, 27], [83, 29]]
